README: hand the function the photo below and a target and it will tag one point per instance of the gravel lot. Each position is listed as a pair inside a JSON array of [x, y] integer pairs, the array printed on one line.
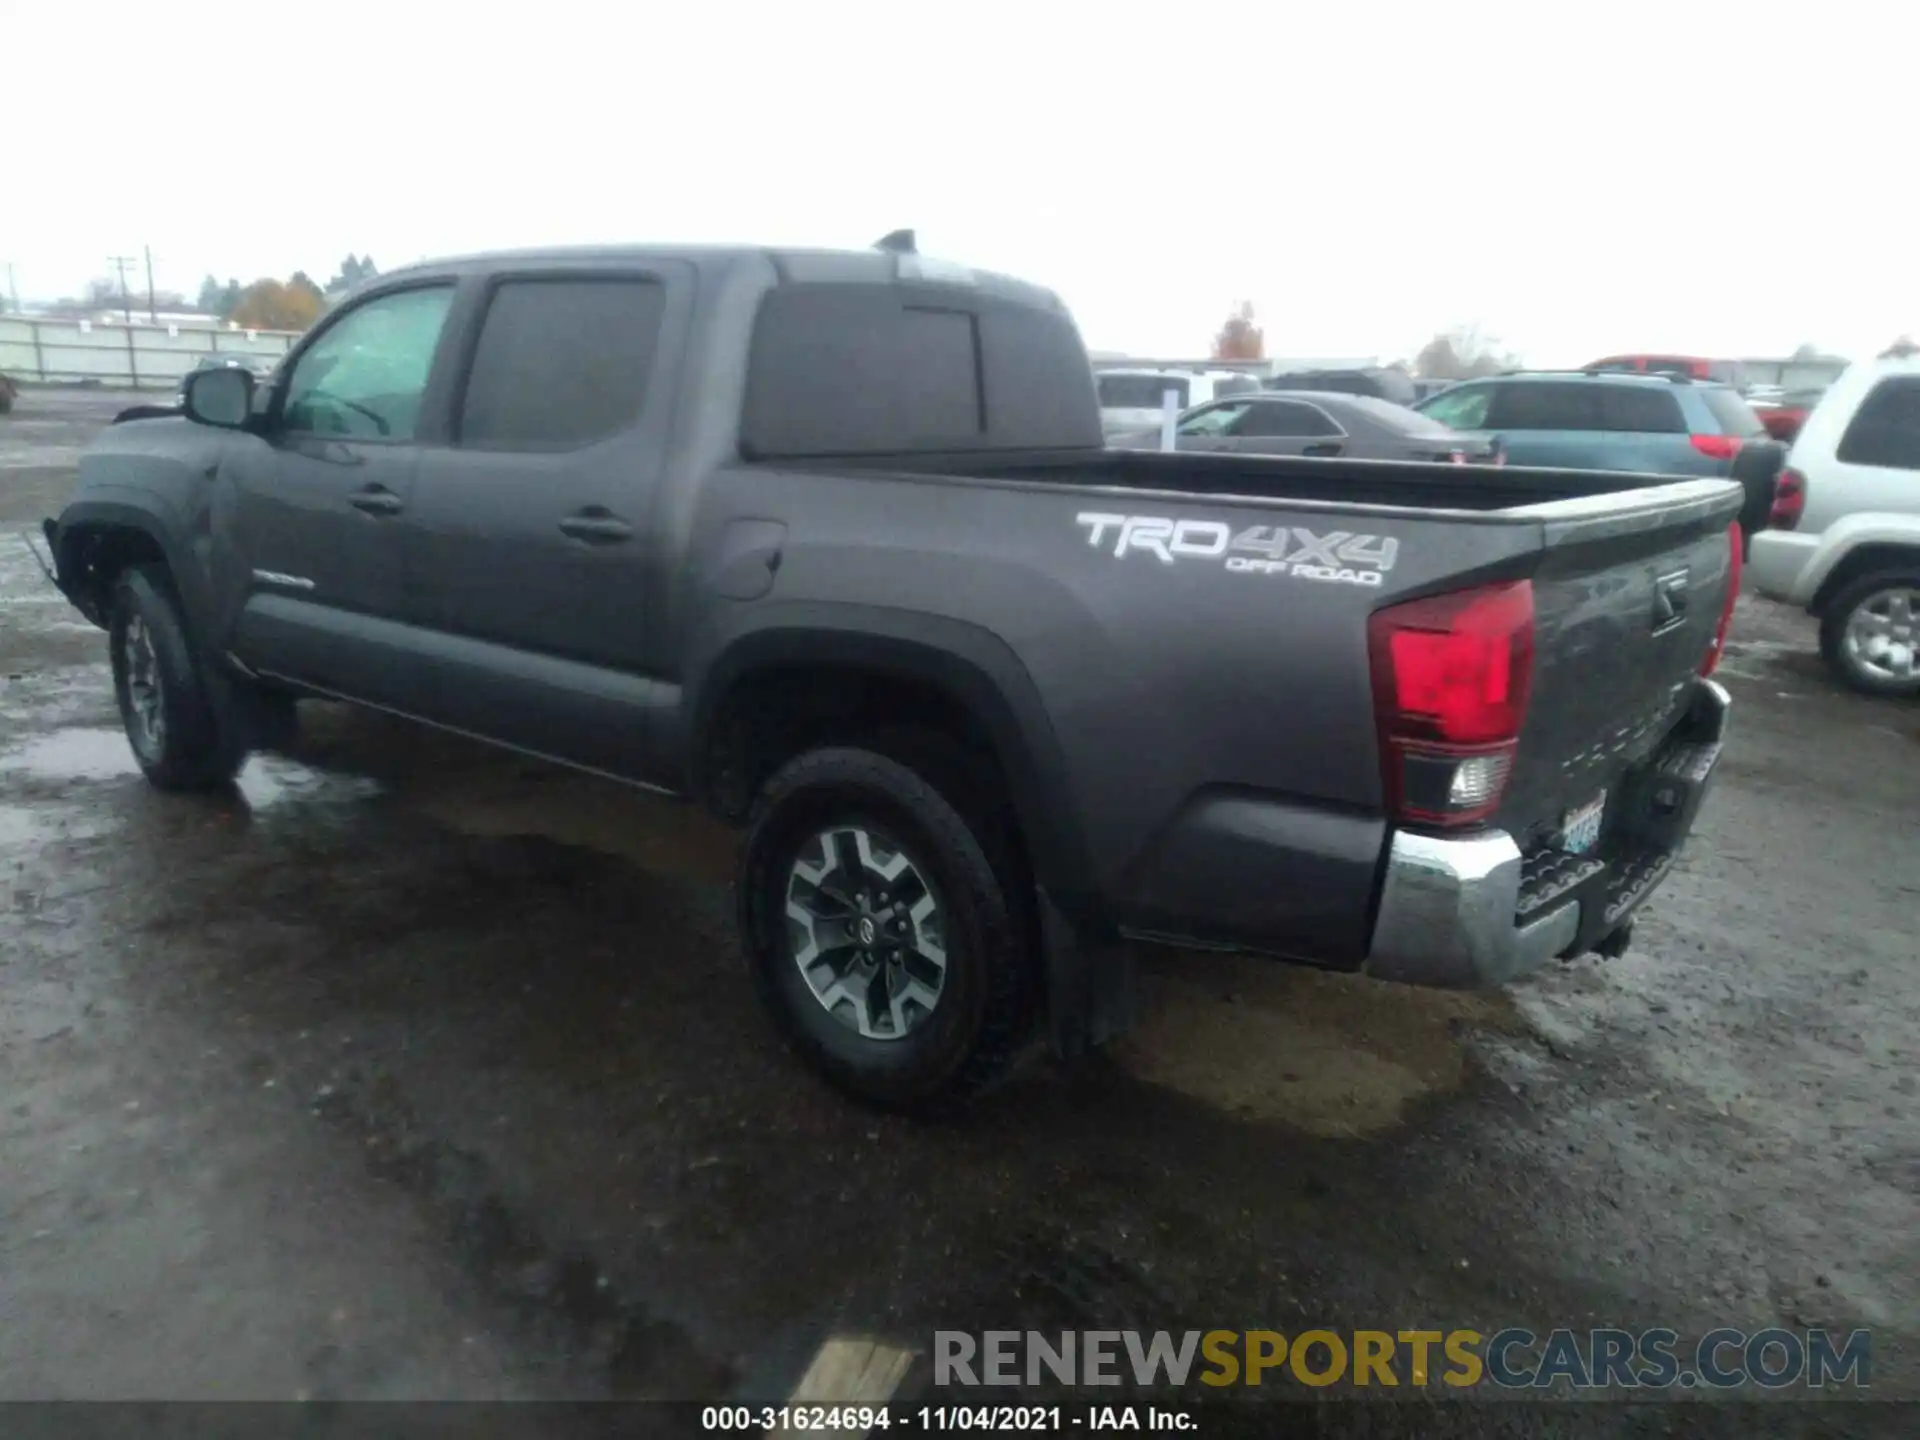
[[417, 1070]]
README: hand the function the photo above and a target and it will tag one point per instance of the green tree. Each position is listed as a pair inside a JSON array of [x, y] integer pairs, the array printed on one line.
[[353, 271], [218, 299]]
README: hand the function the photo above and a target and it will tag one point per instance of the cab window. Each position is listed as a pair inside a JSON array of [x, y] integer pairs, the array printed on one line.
[[365, 376]]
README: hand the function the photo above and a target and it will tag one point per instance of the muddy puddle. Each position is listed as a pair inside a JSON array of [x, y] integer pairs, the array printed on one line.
[[81, 754]]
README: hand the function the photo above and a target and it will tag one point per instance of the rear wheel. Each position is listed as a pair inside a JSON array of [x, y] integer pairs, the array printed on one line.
[[887, 946], [169, 717], [1870, 634]]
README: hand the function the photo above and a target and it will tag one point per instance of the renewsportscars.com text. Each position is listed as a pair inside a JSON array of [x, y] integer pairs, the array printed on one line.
[[1512, 1358]]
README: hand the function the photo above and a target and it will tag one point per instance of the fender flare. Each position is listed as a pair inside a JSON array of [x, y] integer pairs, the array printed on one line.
[[188, 582], [970, 665]]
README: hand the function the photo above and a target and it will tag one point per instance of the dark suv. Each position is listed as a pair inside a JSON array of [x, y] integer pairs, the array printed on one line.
[[1657, 423]]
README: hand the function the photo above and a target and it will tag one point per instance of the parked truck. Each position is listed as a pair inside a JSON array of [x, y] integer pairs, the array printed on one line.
[[828, 544]]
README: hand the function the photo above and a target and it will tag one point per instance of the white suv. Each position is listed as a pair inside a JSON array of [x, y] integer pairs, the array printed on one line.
[[1844, 539]]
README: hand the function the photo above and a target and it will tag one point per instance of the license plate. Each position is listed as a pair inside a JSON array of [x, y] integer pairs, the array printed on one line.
[[1580, 828]]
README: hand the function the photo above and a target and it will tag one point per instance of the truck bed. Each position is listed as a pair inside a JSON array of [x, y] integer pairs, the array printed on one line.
[[1276, 478]]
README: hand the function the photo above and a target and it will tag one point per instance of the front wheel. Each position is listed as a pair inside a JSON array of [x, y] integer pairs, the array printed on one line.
[[1870, 634], [882, 938], [170, 720]]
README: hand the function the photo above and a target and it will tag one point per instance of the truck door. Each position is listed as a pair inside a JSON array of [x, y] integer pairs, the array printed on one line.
[[531, 544], [309, 512]]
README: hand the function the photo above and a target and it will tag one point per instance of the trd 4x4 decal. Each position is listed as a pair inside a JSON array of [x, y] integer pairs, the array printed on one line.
[[1338, 557]]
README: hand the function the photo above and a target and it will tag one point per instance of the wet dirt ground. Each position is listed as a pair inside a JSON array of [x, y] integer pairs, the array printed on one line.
[[411, 1069]]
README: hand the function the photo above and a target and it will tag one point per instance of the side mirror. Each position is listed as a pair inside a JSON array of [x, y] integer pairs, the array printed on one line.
[[222, 398]]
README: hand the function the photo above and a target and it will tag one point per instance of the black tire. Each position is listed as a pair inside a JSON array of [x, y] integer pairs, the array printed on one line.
[[190, 748], [982, 1020], [1838, 615]]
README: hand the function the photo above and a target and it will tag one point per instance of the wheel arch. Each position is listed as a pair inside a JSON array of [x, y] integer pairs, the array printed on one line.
[[1861, 561], [97, 539], [965, 667]]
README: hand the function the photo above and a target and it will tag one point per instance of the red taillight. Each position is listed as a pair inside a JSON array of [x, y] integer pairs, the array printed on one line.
[[1716, 447], [1451, 674], [1789, 500], [1712, 662]]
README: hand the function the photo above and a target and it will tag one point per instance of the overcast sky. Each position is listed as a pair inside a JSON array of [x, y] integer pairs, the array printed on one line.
[[1577, 179]]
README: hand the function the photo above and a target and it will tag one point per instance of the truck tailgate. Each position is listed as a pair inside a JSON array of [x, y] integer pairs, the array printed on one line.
[[1625, 612]]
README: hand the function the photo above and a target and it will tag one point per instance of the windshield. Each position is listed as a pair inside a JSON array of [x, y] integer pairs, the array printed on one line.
[[1462, 408], [1140, 392]]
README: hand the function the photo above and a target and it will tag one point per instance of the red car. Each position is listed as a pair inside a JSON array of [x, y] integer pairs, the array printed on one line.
[[1692, 366], [1783, 417]]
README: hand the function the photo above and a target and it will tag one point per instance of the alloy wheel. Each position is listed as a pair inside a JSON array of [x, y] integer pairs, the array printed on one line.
[[1883, 635], [864, 926], [146, 695]]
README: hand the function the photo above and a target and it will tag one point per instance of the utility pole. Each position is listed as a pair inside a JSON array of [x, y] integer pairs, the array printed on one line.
[[120, 264], [13, 291], [152, 314]]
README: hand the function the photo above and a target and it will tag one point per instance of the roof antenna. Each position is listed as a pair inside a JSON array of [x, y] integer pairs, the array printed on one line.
[[897, 242]]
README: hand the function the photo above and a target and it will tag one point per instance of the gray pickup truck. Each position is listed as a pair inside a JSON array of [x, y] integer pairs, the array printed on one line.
[[829, 544]]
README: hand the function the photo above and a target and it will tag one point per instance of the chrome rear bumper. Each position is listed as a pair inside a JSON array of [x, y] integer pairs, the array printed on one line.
[[1450, 908]]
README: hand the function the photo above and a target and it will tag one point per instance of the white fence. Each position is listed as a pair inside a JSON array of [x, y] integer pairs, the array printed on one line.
[[129, 357]]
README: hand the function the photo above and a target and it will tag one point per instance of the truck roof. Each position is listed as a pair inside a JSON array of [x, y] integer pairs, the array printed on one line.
[[792, 266]]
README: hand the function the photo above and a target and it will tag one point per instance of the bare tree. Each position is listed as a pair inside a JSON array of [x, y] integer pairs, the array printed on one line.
[[1462, 353]]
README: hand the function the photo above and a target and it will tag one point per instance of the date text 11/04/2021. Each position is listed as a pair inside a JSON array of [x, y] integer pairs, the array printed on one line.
[[855, 1420]]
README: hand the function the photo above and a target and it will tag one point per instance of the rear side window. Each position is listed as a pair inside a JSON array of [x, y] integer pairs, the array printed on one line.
[[561, 363], [1286, 417], [1885, 431], [1732, 414], [1544, 405], [1397, 419], [878, 369], [1645, 410]]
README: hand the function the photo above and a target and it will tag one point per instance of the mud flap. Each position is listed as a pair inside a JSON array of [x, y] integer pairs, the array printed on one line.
[[44, 555], [1092, 985], [249, 718]]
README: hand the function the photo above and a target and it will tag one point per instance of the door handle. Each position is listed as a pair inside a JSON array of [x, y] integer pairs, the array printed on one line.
[[1324, 447], [377, 500], [596, 525]]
